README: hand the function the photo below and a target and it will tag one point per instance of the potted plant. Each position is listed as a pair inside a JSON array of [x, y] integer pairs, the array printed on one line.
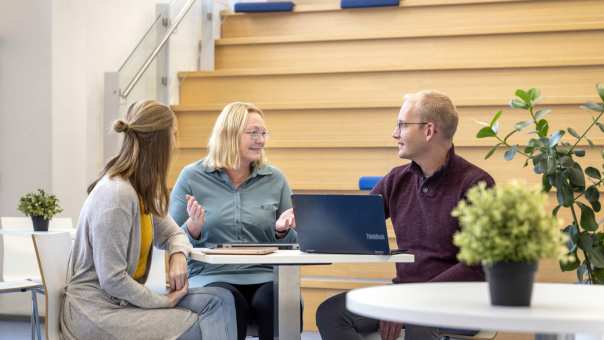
[[41, 207], [507, 229], [556, 161]]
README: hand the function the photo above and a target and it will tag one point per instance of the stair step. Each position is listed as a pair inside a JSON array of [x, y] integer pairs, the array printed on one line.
[[364, 127], [470, 17], [561, 85], [400, 54]]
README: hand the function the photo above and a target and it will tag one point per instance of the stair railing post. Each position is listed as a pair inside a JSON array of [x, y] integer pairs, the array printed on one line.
[[207, 48], [163, 58], [111, 112]]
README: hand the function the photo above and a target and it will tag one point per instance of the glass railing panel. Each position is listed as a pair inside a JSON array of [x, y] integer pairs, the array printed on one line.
[[141, 52]]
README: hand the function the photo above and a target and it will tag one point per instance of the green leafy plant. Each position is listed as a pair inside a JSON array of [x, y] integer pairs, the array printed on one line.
[[555, 160], [39, 203], [507, 223]]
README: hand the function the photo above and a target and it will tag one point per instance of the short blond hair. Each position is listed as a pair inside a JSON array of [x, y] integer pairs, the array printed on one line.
[[223, 146], [436, 107]]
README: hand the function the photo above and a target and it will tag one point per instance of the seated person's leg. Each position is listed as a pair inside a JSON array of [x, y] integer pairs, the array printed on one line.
[[335, 322], [216, 310], [242, 308], [262, 303]]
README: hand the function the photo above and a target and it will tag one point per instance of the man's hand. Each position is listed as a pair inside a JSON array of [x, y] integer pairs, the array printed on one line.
[[390, 330], [197, 216], [285, 222], [176, 295], [177, 271]]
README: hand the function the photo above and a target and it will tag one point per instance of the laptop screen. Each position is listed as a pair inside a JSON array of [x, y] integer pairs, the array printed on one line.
[[347, 224]]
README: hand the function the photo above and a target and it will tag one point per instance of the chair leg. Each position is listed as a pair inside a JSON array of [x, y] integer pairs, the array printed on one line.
[[36, 332]]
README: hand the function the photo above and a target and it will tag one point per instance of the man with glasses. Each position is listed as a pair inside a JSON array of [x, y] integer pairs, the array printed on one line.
[[418, 198]]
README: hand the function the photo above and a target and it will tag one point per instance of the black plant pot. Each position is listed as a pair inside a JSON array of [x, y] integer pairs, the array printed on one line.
[[511, 283], [40, 223]]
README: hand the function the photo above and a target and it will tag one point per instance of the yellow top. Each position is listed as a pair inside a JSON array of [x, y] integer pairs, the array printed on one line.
[[146, 243]]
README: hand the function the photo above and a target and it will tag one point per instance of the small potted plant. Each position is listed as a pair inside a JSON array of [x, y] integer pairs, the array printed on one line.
[[507, 229], [41, 207]]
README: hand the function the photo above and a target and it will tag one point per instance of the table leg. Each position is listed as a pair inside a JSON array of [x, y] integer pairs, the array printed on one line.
[[287, 302], [554, 337]]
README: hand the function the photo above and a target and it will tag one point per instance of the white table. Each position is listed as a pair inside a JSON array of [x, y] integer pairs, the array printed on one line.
[[29, 232], [287, 278], [556, 311]]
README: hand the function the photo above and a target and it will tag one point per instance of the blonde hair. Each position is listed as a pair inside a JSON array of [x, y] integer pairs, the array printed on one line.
[[145, 153], [436, 107], [223, 146]]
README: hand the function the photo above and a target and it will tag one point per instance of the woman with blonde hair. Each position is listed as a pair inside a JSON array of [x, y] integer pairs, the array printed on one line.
[[234, 196], [124, 215]]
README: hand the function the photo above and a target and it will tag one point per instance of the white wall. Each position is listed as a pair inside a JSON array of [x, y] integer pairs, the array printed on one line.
[[89, 38], [25, 100], [53, 55]]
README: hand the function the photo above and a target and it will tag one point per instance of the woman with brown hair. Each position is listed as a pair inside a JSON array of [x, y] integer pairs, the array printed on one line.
[[124, 215], [234, 196]]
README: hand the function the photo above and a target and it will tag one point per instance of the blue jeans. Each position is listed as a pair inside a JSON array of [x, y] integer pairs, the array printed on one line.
[[216, 314]]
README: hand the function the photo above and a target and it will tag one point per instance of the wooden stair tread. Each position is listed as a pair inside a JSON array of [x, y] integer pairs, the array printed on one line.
[[301, 38]]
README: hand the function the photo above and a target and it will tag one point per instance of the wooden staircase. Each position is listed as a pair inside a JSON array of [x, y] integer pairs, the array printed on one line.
[[331, 81]]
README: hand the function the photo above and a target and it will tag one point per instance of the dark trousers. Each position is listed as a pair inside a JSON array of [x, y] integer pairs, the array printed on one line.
[[253, 303], [335, 322]]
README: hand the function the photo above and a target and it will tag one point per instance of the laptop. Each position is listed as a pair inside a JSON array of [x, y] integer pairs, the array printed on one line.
[[341, 224]]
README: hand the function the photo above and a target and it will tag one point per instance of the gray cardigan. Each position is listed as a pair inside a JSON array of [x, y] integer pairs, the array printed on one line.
[[102, 300]]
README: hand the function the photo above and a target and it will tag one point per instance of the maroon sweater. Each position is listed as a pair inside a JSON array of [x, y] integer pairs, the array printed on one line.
[[420, 210]]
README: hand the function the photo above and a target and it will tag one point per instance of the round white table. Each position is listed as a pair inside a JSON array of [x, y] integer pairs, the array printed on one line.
[[556, 311]]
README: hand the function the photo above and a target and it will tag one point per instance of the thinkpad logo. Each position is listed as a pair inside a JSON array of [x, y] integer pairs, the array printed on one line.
[[375, 236]]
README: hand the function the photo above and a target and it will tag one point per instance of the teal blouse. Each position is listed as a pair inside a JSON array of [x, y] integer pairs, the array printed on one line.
[[243, 215]]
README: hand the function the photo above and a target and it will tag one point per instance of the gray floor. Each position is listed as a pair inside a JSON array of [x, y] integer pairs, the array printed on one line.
[[20, 329]]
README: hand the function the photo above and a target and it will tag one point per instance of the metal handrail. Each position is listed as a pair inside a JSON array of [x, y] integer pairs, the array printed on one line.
[[157, 49], [140, 42]]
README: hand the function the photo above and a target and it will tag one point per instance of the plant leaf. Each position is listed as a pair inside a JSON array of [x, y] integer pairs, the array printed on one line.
[[523, 95], [542, 128], [593, 172], [596, 206], [546, 183], [590, 142], [555, 138], [593, 107], [510, 153], [566, 161], [588, 218], [495, 118], [592, 194], [572, 264], [564, 193], [597, 257], [521, 125], [518, 104], [600, 88], [579, 152], [486, 132], [534, 94], [575, 174], [601, 126], [541, 114], [572, 132]]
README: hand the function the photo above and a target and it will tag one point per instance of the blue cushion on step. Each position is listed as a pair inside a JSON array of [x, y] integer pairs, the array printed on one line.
[[368, 182], [367, 3], [255, 7]]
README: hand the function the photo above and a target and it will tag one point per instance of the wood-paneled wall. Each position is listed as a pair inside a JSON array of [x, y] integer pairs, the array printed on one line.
[[331, 82]]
